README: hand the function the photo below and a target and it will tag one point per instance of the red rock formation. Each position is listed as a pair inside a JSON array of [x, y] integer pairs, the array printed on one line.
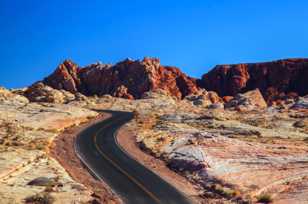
[[122, 92], [131, 79], [226, 99], [127, 79], [274, 79], [65, 77]]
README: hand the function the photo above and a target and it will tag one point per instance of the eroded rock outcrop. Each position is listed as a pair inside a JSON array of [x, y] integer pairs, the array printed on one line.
[[65, 77], [278, 80], [274, 79], [128, 79], [187, 158], [301, 103], [204, 98], [8, 97], [251, 100], [40, 92]]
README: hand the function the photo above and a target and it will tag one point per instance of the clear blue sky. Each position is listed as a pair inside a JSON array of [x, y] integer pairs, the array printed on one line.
[[36, 35]]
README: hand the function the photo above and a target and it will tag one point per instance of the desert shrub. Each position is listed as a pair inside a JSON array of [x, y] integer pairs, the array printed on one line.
[[42, 198], [224, 191], [264, 198]]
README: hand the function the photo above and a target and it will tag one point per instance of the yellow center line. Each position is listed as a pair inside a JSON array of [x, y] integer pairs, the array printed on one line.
[[122, 170]]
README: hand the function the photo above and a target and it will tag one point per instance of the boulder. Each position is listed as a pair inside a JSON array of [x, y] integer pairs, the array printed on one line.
[[226, 99], [204, 98], [187, 158], [9, 97], [216, 106], [301, 123], [301, 103], [251, 100], [39, 92], [42, 181], [122, 92], [178, 118], [157, 94], [80, 97]]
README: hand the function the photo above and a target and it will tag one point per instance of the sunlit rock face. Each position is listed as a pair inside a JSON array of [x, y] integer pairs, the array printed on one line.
[[127, 79], [274, 79]]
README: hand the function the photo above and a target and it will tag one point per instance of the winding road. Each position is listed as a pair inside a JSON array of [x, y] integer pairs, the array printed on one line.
[[98, 149]]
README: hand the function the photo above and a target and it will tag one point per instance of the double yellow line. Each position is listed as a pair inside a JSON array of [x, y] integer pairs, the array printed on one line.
[[150, 194]]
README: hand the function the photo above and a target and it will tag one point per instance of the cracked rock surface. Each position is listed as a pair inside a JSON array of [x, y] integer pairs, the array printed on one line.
[[26, 132]]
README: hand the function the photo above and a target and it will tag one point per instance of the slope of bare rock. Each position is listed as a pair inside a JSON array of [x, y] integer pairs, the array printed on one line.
[[26, 132], [232, 156]]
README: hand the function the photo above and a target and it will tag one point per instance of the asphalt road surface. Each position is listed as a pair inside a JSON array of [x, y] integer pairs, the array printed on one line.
[[98, 149]]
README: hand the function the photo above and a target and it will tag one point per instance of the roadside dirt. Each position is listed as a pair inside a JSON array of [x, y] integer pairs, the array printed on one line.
[[62, 149], [126, 138]]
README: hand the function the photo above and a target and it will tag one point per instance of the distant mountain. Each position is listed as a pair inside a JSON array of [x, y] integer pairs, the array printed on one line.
[[274, 79], [127, 79], [131, 79]]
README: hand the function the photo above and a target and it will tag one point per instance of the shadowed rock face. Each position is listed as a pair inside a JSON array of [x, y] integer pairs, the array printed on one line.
[[272, 78], [127, 79]]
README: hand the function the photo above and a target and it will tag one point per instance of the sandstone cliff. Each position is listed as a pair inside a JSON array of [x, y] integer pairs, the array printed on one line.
[[130, 79], [127, 79], [274, 79]]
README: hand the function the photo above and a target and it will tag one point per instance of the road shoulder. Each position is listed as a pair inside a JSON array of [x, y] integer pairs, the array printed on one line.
[[127, 140], [64, 152]]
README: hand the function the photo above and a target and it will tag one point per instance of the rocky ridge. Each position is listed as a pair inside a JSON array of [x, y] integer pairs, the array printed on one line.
[[127, 79], [130, 79], [276, 80]]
